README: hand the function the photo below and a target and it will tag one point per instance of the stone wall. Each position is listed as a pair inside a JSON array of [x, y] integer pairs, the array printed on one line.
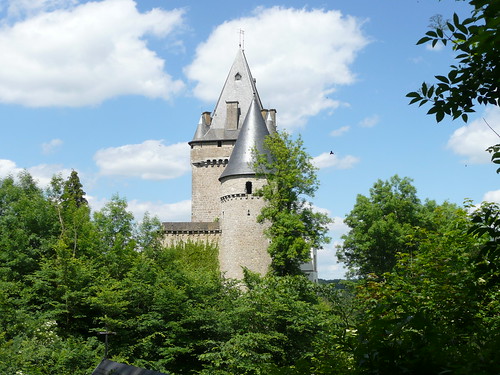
[[208, 161], [243, 242], [176, 232]]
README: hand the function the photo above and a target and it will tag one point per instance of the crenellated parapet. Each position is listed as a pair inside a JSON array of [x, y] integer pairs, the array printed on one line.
[[183, 232], [210, 163], [239, 196]]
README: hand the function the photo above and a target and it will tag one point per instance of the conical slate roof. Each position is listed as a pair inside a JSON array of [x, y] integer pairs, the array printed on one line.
[[252, 134], [239, 87], [201, 129]]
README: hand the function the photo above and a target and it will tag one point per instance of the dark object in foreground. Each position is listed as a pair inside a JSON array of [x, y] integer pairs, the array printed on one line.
[[107, 367]]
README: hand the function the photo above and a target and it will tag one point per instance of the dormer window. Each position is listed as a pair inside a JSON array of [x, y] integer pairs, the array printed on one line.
[[237, 77]]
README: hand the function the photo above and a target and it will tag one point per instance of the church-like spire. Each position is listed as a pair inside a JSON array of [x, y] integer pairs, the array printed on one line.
[[234, 101], [252, 135]]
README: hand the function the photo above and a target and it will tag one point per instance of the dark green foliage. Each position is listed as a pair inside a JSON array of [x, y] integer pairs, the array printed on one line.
[[282, 325], [495, 154], [432, 314], [40, 350], [486, 226], [73, 193], [169, 308], [476, 77], [295, 229], [27, 226], [381, 223], [66, 276]]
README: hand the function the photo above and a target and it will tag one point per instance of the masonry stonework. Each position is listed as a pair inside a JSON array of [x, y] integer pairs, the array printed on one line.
[[224, 207], [208, 161], [243, 243]]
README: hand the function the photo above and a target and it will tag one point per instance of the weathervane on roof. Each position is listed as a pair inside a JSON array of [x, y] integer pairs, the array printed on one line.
[[242, 39]]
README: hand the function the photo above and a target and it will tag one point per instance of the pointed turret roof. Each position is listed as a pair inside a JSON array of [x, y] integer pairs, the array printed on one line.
[[252, 134], [201, 129], [239, 87]]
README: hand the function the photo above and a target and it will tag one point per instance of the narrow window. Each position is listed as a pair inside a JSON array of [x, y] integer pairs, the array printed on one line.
[[248, 213], [219, 143], [248, 187]]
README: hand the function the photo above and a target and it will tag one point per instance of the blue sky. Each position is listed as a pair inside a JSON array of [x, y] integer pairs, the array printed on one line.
[[114, 89]]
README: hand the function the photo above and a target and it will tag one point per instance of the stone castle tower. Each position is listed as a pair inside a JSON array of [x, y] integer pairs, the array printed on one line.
[[223, 205]]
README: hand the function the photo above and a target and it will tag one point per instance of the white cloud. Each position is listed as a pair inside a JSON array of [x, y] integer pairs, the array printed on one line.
[[150, 160], [318, 209], [370, 121], [95, 203], [472, 140], [179, 211], [327, 160], [83, 55], [492, 196], [328, 264], [298, 57], [338, 228], [8, 168], [338, 132], [41, 173], [51, 146], [438, 47]]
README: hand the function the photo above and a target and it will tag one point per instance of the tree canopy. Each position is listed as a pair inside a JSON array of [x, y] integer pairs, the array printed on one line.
[[66, 275], [295, 228], [380, 226], [436, 311]]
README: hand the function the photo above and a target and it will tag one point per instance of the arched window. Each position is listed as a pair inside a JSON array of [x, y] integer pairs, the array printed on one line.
[[248, 187]]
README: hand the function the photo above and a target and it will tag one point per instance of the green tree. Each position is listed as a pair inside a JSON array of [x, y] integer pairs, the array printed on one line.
[[475, 79], [495, 154], [43, 286], [295, 228], [431, 314], [380, 225], [78, 232], [115, 226], [73, 191], [28, 226], [149, 234], [280, 325], [165, 309], [486, 224], [40, 350]]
